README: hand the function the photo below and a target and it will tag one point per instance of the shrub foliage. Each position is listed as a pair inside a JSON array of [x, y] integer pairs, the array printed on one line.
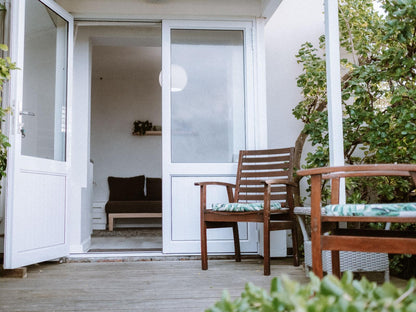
[[378, 95], [6, 65], [328, 294]]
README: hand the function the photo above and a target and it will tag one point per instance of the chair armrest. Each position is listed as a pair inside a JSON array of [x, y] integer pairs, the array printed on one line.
[[215, 183], [362, 171], [279, 181], [289, 191], [203, 187]]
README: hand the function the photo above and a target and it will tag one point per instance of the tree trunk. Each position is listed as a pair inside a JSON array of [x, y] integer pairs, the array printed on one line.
[[300, 142]]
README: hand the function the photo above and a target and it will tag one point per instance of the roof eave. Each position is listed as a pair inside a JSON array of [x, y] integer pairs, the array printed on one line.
[[269, 7]]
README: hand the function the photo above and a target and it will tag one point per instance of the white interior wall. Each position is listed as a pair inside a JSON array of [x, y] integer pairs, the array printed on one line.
[[125, 88]]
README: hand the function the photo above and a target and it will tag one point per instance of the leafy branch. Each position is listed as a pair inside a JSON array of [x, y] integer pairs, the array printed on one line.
[[378, 90], [328, 294]]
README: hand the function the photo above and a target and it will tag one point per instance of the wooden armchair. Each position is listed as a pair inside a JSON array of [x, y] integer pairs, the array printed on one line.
[[262, 193], [357, 239]]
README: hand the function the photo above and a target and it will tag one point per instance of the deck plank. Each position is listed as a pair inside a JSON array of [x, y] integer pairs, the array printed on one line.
[[137, 286], [134, 286]]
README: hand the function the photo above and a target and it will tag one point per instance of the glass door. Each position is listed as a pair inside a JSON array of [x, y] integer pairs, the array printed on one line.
[[208, 113], [43, 112], [38, 162], [206, 99]]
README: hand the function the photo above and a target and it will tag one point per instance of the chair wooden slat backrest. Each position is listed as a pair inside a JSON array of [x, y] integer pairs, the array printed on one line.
[[257, 166], [262, 176]]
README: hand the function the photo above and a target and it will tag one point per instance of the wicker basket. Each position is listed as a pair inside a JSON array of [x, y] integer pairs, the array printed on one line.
[[351, 261]]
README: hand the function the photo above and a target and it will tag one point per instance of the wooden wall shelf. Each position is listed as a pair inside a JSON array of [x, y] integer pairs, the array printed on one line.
[[149, 133]]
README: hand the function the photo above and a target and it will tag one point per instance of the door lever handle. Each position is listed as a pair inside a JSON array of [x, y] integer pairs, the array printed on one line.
[[25, 113]]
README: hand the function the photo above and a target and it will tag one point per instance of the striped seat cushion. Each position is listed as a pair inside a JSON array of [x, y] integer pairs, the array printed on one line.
[[371, 210], [244, 207]]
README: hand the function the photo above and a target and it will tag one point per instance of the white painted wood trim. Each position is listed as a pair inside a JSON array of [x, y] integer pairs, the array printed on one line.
[[166, 138], [16, 83], [81, 248], [334, 83], [333, 78], [260, 86]]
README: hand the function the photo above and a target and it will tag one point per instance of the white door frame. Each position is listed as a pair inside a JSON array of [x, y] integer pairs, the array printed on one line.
[[256, 130], [18, 165]]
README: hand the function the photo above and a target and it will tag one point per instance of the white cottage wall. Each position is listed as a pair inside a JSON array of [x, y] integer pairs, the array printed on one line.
[[295, 22], [285, 32]]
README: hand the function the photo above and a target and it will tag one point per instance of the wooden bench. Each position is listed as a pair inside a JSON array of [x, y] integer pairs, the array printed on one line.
[[400, 242]]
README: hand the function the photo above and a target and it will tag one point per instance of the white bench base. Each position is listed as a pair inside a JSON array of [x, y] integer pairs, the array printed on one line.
[[112, 216]]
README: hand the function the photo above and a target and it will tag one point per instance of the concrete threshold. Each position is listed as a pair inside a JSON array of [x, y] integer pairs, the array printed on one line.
[[144, 256]]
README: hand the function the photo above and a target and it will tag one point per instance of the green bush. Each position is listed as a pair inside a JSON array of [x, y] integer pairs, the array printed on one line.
[[378, 100], [328, 294]]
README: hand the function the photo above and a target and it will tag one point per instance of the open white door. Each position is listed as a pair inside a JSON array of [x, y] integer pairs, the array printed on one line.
[[207, 95], [38, 161]]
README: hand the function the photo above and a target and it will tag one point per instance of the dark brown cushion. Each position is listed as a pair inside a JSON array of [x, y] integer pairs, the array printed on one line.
[[126, 188], [154, 188], [144, 206]]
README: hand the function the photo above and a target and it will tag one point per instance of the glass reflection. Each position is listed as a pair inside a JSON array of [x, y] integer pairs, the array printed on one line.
[[44, 83], [208, 115]]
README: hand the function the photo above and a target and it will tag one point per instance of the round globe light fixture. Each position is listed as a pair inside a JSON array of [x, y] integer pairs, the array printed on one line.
[[179, 78]]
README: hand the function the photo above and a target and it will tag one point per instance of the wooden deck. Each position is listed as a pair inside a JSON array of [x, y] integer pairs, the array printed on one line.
[[135, 286]]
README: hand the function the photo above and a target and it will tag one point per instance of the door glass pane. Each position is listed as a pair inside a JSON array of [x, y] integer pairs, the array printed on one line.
[[207, 95], [44, 83]]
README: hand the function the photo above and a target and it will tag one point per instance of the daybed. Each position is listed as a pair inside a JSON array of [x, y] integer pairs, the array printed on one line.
[[127, 198]]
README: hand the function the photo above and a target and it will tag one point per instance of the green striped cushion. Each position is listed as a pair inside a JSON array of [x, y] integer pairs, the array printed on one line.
[[241, 207], [372, 210]]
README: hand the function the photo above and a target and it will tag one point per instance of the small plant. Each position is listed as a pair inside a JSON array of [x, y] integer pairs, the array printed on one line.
[[328, 294], [140, 127]]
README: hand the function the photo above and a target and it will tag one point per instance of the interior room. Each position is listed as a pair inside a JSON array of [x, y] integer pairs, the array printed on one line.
[[125, 89]]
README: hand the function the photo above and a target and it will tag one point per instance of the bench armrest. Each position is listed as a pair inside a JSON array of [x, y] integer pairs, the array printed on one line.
[[361, 171]]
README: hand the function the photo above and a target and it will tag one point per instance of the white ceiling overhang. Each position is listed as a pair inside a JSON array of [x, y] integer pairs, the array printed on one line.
[[269, 7], [159, 9]]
